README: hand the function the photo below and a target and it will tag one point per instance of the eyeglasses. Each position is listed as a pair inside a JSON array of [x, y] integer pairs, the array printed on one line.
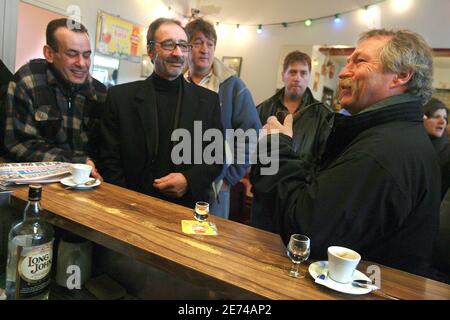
[[170, 45], [197, 44]]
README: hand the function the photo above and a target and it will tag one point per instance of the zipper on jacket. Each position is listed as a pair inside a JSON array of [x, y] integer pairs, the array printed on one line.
[[70, 103]]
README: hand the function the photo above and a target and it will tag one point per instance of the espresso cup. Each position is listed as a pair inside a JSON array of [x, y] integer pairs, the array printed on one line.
[[342, 263], [81, 173]]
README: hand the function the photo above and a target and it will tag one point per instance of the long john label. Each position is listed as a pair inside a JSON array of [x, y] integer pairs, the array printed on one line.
[[35, 263]]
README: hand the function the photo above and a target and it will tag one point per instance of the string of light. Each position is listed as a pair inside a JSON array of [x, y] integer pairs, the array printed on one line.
[[337, 18]]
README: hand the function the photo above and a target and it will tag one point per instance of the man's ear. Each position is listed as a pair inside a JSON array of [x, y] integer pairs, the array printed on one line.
[[401, 79], [48, 53], [150, 53]]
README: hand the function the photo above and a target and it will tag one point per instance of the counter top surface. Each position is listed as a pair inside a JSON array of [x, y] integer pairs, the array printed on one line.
[[242, 262]]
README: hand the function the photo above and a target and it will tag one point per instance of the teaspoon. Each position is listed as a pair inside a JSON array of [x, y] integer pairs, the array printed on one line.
[[375, 290]]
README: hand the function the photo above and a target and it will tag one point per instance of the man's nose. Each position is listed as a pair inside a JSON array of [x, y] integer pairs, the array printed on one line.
[[82, 61], [345, 72], [177, 51], [204, 47]]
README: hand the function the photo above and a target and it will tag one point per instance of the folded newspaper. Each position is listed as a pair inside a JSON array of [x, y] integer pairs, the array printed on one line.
[[36, 172]]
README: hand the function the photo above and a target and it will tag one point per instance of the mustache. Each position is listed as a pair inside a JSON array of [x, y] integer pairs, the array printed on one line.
[[180, 60], [346, 83]]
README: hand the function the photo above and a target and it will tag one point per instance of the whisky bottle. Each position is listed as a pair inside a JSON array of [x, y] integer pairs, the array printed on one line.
[[30, 253]]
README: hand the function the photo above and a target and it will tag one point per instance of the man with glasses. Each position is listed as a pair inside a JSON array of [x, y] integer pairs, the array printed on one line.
[[53, 105], [237, 106], [143, 116]]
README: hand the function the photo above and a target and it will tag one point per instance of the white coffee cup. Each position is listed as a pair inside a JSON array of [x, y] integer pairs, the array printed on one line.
[[342, 263], [81, 173]]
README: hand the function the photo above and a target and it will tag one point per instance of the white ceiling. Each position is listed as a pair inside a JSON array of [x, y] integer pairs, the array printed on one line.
[[253, 12]]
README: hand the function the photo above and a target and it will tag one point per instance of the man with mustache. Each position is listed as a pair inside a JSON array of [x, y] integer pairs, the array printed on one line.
[[236, 102], [53, 105], [141, 117], [310, 127], [377, 187]]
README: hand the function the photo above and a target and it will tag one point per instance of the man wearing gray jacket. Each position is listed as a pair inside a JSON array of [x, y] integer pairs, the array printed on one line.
[[237, 106]]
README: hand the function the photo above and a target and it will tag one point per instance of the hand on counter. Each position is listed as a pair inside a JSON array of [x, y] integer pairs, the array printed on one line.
[[173, 185]]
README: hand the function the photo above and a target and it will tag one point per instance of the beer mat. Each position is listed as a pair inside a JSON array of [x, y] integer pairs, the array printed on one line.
[[205, 228]]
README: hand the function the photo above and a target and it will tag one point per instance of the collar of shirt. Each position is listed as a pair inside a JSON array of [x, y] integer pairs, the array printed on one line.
[[282, 107], [86, 89], [398, 99], [210, 81]]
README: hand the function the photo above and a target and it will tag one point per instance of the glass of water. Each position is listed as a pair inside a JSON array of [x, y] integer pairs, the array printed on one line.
[[298, 251]]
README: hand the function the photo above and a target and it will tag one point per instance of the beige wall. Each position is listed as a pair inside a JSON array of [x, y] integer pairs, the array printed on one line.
[[31, 32]]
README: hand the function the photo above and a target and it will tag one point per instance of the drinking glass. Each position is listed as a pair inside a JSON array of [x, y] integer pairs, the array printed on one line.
[[298, 250], [201, 211]]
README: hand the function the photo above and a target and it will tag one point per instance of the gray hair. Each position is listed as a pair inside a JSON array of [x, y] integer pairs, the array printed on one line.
[[407, 51]]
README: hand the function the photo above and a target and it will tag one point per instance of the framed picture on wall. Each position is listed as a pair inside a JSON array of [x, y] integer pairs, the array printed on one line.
[[234, 63]]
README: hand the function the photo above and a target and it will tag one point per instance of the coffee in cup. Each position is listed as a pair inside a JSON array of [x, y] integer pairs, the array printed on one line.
[[81, 173], [342, 263]]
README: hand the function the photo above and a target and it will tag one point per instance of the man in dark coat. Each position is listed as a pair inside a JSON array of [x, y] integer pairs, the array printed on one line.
[[310, 127], [376, 189], [141, 118]]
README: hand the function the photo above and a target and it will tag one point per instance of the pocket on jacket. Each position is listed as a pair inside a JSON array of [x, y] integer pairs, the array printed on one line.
[[49, 122]]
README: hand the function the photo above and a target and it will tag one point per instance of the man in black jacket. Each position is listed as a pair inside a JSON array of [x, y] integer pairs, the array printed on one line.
[[376, 189], [142, 118], [310, 127]]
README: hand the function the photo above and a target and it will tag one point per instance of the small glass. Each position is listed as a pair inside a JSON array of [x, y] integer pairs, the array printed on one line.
[[298, 251], [201, 211]]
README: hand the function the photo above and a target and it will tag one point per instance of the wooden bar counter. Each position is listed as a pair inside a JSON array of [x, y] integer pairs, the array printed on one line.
[[240, 263]]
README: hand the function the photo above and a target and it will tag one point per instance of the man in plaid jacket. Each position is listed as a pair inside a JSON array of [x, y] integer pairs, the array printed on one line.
[[53, 106]]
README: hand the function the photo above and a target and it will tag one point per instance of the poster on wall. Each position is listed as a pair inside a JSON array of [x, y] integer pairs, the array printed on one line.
[[119, 38]]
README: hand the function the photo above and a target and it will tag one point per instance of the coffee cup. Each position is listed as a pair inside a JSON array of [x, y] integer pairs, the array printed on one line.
[[342, 263], [81, 173]]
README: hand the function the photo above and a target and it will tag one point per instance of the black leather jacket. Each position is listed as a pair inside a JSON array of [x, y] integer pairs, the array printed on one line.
[[311, 125]]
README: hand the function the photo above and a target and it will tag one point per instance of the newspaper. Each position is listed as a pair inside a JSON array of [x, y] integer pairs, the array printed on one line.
[[35, 172]]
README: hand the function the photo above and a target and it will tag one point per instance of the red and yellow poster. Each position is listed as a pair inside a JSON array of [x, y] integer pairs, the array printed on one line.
[[119, 38]]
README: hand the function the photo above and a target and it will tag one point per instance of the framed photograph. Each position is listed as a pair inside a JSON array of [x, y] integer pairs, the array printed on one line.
[[146, 66], [234, 63]]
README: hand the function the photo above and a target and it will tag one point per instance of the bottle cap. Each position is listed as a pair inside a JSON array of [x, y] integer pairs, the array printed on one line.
[[35, 192]]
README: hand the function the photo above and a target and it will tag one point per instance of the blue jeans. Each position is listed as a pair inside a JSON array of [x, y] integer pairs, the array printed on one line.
[[221, 207]]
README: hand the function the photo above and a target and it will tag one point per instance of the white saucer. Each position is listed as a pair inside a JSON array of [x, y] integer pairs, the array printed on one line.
[[321, 267], [70, 183]]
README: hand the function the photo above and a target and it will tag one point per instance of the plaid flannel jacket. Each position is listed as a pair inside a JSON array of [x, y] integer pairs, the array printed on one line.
[[47, 120]]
